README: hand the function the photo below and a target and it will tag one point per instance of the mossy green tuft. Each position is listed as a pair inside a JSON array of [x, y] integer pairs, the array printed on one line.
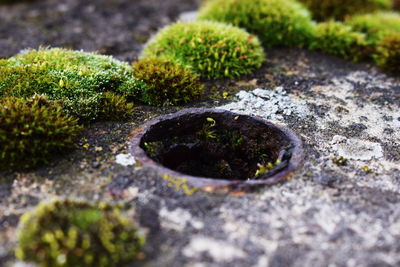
[[74, 78], [323, 10], [376, 26], [210, 49], [166, 83], [115, 107], [72, 233], [339, 39], [32, 130], [276, 22], [387, 53]]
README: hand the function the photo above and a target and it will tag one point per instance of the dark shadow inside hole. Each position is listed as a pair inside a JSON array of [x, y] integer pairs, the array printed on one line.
[[220, 145]]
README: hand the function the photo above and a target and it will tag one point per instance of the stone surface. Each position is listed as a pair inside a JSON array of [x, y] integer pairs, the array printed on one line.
[[326, 215]]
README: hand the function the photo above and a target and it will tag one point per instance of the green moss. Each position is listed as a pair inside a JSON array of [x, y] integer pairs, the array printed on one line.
[[72, 233], [74, 78], [210, 49], [340, 161], [275, 22], [339, 9], [33, 130], [166, 83], [376, 26], [339, 39], [388, 53], [266, 167], [115, 107]]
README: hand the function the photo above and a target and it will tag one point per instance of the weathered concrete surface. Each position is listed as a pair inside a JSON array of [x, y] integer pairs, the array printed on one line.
[[327, 215]]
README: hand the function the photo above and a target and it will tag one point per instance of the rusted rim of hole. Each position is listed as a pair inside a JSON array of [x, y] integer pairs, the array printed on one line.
[[288, 148]]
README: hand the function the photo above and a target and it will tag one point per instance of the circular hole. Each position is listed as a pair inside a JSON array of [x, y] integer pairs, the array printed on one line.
[[218, 144]]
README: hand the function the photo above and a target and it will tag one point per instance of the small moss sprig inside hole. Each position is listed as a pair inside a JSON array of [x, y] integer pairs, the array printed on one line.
[[75, 233], [207, 132], [210, 49], [266, 167]]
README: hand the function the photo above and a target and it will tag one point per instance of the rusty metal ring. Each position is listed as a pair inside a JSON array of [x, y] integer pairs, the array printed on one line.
[[291, 156]]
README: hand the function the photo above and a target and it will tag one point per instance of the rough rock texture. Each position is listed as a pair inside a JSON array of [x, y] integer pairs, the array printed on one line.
[[328, 214]]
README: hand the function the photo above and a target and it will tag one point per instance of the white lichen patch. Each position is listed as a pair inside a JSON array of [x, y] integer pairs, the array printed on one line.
[[380, 121], [236, 229], [220, 251], [268, 104], [300, 212], [356, 149], [125, 160], [178, 219]]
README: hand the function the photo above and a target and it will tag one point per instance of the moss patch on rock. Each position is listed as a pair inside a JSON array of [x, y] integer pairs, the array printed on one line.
[[72, 233], [276, 22], [323, 10], [166, 83], [210, 49], [376, 26], [339, 39], [32, 130], [115, 107], [388, 53], [75, 79]]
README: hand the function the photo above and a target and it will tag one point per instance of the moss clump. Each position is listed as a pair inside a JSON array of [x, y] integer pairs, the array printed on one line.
[[115, 107], [210, 49], [71, 233], [339, 9], [31, 131], [166, 83], [388, 53], [275, 22], [74, 78], [376, 26], [339, 39]]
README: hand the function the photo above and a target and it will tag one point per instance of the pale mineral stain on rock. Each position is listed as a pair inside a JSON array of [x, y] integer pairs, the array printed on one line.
[[178, 219], [220, 251], [356, 149]]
